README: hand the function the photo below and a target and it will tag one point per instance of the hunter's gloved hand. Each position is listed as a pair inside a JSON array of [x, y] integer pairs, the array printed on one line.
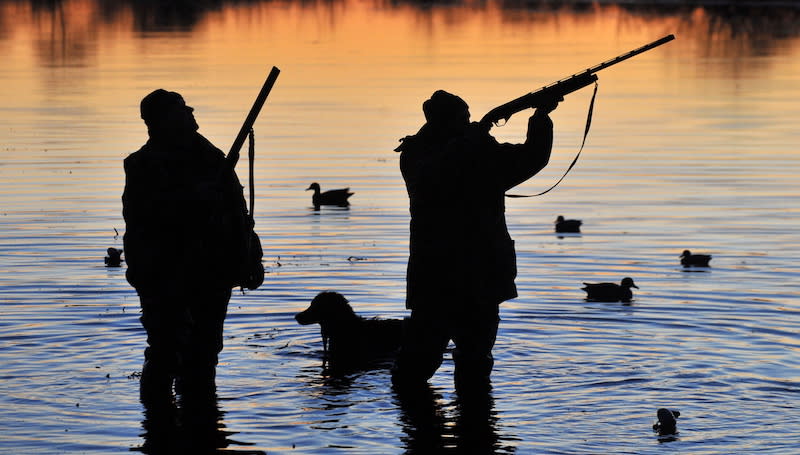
[[549, 105]]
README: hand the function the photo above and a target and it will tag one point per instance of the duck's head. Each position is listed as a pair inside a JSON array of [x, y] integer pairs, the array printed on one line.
[[560, 219], [686, 253], [627, 282], [314, 186]]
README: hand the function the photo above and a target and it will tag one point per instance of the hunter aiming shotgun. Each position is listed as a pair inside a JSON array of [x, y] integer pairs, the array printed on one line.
[[559, 89]]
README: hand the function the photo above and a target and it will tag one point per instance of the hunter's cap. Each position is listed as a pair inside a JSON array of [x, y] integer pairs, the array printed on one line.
[[157, 102], [442, 106]]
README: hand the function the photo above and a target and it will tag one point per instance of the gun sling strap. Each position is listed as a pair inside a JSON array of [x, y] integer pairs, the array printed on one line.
[[251, 155], [583, 142]]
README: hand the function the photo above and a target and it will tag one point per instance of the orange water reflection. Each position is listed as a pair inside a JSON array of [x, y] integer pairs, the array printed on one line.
[[70, 32], [367, 60]]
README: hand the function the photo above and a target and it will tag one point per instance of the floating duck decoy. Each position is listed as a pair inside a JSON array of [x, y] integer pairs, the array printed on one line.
[[113, 258], [563, 225], [667, 421], [610, 292], [694, 260], [331, 197]]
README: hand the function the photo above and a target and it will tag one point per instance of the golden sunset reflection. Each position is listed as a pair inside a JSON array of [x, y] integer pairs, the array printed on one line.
[[355, 59]]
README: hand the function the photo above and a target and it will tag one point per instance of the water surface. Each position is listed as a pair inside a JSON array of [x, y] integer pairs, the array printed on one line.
[[693, 146]]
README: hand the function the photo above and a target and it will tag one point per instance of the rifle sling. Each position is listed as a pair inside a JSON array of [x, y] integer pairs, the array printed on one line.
[[251, 155], [585, 133]]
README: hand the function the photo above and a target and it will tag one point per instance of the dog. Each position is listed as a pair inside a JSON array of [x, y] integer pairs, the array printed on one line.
[[348, 340]]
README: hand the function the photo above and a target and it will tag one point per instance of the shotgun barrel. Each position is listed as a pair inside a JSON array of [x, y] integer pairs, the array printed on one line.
[[233, 155], [560, 88]]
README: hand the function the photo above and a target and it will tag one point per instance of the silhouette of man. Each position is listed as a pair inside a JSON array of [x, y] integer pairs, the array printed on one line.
[[462, 262], [185, 218]]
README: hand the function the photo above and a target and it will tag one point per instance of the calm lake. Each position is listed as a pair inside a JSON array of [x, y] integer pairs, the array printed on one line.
[[693, 146]]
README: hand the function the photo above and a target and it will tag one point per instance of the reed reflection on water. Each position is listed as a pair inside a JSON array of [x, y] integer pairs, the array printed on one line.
[[692, 147]]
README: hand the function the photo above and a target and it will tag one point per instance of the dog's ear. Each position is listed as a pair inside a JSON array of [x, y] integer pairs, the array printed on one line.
[[342, 305], [339, 300]]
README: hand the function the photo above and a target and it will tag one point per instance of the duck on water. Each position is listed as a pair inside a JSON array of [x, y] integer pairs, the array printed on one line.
[[337, 197], [694, 260], [610, 292], [565, 225]]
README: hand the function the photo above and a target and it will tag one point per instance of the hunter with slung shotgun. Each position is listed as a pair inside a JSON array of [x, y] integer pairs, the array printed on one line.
[[188, 240]]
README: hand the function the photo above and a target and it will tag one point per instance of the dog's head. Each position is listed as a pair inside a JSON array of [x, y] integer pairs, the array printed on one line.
[[326, 307]]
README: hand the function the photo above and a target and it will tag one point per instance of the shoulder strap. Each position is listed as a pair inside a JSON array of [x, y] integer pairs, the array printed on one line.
[[251, 154], [585, 133]]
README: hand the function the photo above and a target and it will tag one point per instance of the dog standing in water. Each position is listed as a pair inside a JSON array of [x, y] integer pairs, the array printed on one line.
[[350, 341]]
